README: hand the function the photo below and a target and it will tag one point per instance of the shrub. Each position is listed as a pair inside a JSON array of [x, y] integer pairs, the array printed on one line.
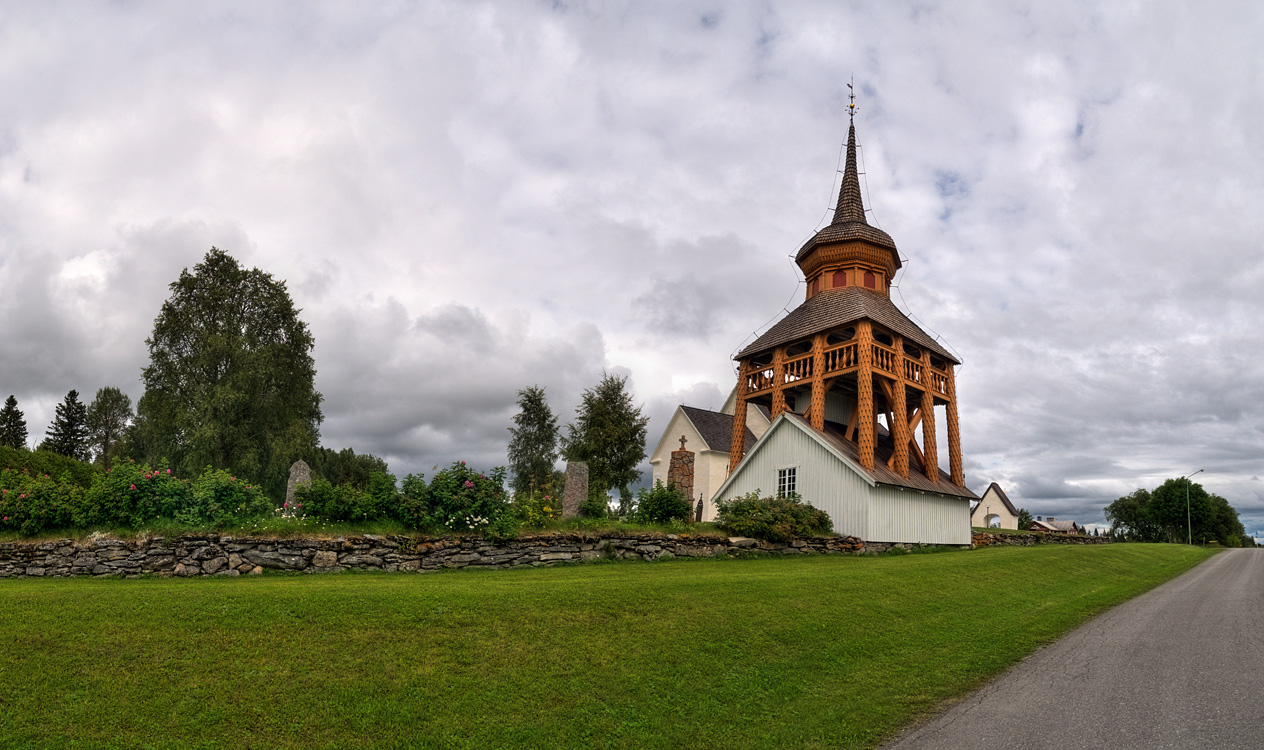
[[32, 503], [130, 494], [55, 465], [534, 510], [462, 499], [777, 519], [412, 508], [218, 498], [662, 505]]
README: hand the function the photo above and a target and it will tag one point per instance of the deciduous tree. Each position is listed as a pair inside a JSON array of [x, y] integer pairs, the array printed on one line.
[[12, 424], [108, 417], [532, 443], [230, 381]]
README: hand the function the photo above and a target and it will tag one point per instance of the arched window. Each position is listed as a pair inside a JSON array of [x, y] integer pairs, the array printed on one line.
[[815, 287], [840, 279], [871, 281]]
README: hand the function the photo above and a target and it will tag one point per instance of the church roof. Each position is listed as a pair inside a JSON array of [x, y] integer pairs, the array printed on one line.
[[832, 308], [715, 428], [849, 215]]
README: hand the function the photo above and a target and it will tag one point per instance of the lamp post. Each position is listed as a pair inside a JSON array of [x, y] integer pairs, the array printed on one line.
[[1189, 526]]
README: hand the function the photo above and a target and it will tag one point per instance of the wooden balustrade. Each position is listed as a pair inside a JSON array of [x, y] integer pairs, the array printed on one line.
[[842, 357], [846, 357], [883, 358], [759, 380], [793, 370], [939, 382]]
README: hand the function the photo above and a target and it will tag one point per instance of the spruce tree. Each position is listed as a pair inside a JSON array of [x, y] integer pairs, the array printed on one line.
[[609, 435], [12, 424], [68, 434], [533, 445]]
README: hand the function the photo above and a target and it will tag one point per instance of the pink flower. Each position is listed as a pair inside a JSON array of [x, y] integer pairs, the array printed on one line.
[[168, 471], [22, 496], [468, 484], [286, 505], [462, 463], [133, 486]]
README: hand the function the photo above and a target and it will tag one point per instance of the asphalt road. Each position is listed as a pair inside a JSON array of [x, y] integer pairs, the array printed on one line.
[[1179, 667]]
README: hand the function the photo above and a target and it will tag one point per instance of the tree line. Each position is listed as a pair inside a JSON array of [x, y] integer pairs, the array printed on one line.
[[230, 385], [1177, 511]]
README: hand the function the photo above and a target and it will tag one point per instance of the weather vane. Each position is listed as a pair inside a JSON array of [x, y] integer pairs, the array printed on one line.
[[851, 94]]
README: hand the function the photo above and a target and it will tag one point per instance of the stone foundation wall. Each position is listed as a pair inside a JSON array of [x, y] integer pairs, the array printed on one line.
[[987, 539], [207, 555]]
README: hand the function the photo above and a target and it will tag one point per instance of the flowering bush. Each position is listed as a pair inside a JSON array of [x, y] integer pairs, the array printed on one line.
[[32, 503], [534, 510], [462, 499], [777, 519], [130, 494], [218, 498]]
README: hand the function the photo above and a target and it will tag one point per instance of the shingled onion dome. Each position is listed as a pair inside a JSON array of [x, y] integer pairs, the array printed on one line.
[[849, 238]]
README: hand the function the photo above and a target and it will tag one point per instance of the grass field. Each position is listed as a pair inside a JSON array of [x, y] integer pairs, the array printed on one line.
[[778, 653]]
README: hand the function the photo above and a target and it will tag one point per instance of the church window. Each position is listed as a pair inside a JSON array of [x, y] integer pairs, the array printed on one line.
[[871, 281], [816, 286], [840, 279], [786, 480]]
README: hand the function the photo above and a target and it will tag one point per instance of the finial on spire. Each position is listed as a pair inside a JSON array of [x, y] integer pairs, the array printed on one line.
[[851, 95]]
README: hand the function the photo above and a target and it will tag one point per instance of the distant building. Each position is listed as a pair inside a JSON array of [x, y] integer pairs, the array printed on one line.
[[994, 510], [1053, 526]]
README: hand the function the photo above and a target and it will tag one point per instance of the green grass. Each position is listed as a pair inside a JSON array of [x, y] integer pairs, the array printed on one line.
[[809, 652]]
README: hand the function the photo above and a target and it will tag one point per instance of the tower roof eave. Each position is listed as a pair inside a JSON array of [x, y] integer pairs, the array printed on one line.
[[834, 308]]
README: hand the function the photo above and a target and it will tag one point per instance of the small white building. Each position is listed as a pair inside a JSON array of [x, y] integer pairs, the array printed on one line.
[[709, 435], [823, 468], [994, 510]]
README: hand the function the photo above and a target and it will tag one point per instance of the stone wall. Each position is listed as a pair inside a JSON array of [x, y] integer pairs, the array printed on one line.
[[206, 555], [988, 539]]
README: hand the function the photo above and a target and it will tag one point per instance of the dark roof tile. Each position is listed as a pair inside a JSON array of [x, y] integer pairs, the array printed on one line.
[[715, 428], [833, 308]]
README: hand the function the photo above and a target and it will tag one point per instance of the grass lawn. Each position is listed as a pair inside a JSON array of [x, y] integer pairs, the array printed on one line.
[[808, 652]]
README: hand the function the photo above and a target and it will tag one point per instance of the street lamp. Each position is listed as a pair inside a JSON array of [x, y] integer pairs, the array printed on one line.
[[1189, 526]]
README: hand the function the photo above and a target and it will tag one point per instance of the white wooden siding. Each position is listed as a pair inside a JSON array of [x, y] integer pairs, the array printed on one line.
[[822, 479], [912, 516]]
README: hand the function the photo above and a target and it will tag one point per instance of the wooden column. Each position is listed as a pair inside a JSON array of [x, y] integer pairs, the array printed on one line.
[[954, 433], [930, 455], [899, 420], [864, 392], [818, 382], [737, 445], [778, 382]]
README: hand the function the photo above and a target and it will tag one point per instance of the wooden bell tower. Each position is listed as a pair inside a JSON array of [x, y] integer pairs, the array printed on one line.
[[847, 359]]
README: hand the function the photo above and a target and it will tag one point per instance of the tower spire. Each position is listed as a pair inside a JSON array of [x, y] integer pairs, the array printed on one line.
[[850, 207]]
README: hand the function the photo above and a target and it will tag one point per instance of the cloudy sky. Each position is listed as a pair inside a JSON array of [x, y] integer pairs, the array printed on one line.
[[469, 198]]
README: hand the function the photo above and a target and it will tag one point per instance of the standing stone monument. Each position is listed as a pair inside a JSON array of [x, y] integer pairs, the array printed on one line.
[[680, 470], [576, 488], [300, 473]]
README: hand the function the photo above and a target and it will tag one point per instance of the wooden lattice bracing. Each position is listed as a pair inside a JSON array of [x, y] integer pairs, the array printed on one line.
[[899, 382]]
